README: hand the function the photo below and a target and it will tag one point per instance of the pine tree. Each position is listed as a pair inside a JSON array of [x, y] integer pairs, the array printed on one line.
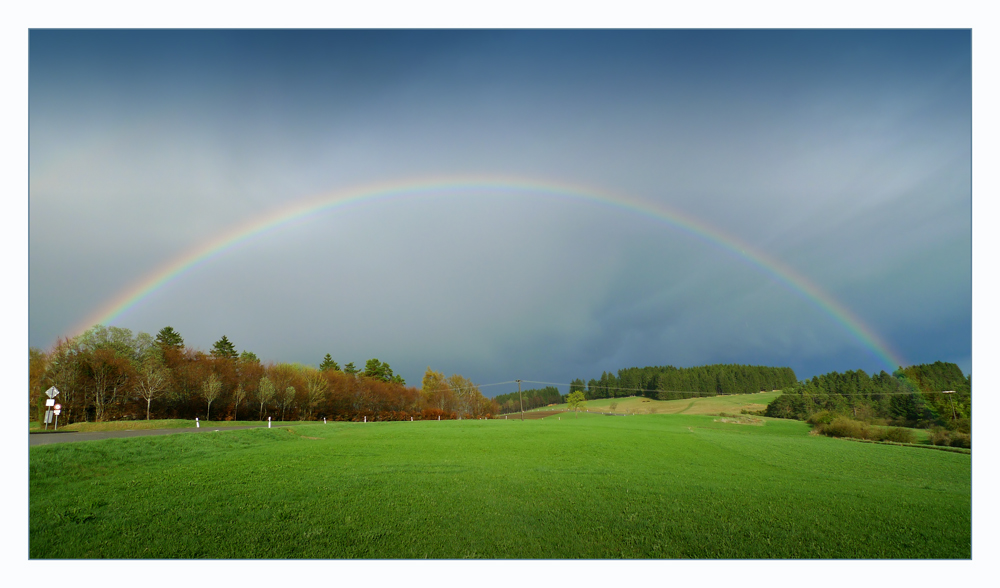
[[224, 349], [168, 337], [328, 364]]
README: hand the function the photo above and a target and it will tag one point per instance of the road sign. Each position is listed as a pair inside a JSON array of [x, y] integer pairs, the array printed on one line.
[[48, 416], [50, 402], [52, 392]]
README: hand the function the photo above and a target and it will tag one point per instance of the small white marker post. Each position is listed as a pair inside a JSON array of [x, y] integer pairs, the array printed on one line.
[[439, 417], [366, 418], [197, 425], [268, 422], [324, 420], [411, 419]]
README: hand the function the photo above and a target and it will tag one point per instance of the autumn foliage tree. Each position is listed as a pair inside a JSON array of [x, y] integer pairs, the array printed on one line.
[[110, 373]]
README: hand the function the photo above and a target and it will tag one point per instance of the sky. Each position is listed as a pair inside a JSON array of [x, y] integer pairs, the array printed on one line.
[[542, 205]]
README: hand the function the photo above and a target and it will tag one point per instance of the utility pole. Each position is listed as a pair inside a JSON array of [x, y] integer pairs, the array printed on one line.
[[954, 416], [520, 399]]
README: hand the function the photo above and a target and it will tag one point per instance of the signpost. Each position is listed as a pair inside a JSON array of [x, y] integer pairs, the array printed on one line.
[[51, 393], [58, 409]]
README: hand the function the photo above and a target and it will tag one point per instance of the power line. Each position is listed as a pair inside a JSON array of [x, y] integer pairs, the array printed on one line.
[[608, 388]]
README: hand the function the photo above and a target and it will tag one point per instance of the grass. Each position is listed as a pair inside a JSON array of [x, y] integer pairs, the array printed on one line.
[[156, 424], [707, 405], [652, 486]]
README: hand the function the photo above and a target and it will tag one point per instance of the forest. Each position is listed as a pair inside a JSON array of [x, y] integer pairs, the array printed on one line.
[[533, 398], [671, 383], [109, 373], [910, 397]]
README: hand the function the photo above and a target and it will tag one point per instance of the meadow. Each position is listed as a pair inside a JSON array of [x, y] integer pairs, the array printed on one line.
[[648, 486], [700, 405], [142, 425]]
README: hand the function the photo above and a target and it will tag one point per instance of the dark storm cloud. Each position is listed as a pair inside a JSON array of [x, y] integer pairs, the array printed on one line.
[[842, 154]]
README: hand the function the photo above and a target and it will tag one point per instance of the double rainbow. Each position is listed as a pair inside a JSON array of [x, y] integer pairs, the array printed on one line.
[[262, 225]]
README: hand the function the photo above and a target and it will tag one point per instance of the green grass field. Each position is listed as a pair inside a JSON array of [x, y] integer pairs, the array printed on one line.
[[156, 424], [649, 486]]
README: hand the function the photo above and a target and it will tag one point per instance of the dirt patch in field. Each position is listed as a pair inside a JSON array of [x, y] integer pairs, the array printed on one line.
[[740, 420], [537, 414]]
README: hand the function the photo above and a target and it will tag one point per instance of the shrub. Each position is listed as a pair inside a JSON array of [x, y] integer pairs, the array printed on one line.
[[944, 437], [823, 417], [961, 440], [845, 427], [899, 435], [939, 436]]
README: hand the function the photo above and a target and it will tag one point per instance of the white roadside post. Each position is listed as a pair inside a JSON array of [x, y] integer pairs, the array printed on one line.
[[197, 423], [324, 420], [48, 411], [268, 422]]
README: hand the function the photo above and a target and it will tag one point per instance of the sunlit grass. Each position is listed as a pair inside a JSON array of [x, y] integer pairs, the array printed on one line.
[[653, 486], [705, 405], [155, 424]]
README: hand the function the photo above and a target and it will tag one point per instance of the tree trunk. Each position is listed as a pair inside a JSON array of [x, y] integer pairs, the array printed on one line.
[[148, 401], [208, 415]]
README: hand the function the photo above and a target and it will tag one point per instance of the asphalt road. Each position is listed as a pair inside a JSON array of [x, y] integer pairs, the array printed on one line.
[[46, 437]]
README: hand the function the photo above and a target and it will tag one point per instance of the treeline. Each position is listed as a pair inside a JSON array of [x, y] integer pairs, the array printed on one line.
[[109, 373], [533, 398], [911, 397], [670, 383]]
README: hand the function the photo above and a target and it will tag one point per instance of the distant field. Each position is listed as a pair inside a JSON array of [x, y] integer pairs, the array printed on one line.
[[648, 486], [710, 405]]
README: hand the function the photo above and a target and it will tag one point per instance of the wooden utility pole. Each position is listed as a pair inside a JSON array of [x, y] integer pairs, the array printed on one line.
[[521, 400], [954, 416]]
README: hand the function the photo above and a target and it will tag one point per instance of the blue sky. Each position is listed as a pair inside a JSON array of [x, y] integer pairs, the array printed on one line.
[[844, 155]]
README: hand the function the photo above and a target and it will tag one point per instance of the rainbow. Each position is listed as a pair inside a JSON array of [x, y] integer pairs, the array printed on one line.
[[264, 224]]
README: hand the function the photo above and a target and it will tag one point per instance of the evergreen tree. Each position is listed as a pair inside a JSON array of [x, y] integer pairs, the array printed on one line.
[[328, 364], [350, 369], [168, 337], [377, 370], [224, 349]]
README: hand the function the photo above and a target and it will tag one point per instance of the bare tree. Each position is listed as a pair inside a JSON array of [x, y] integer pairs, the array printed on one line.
[[265, 392], [316, 387], [151, 379], [239, 394], [110, 373], [210, 390], [286, 400]]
